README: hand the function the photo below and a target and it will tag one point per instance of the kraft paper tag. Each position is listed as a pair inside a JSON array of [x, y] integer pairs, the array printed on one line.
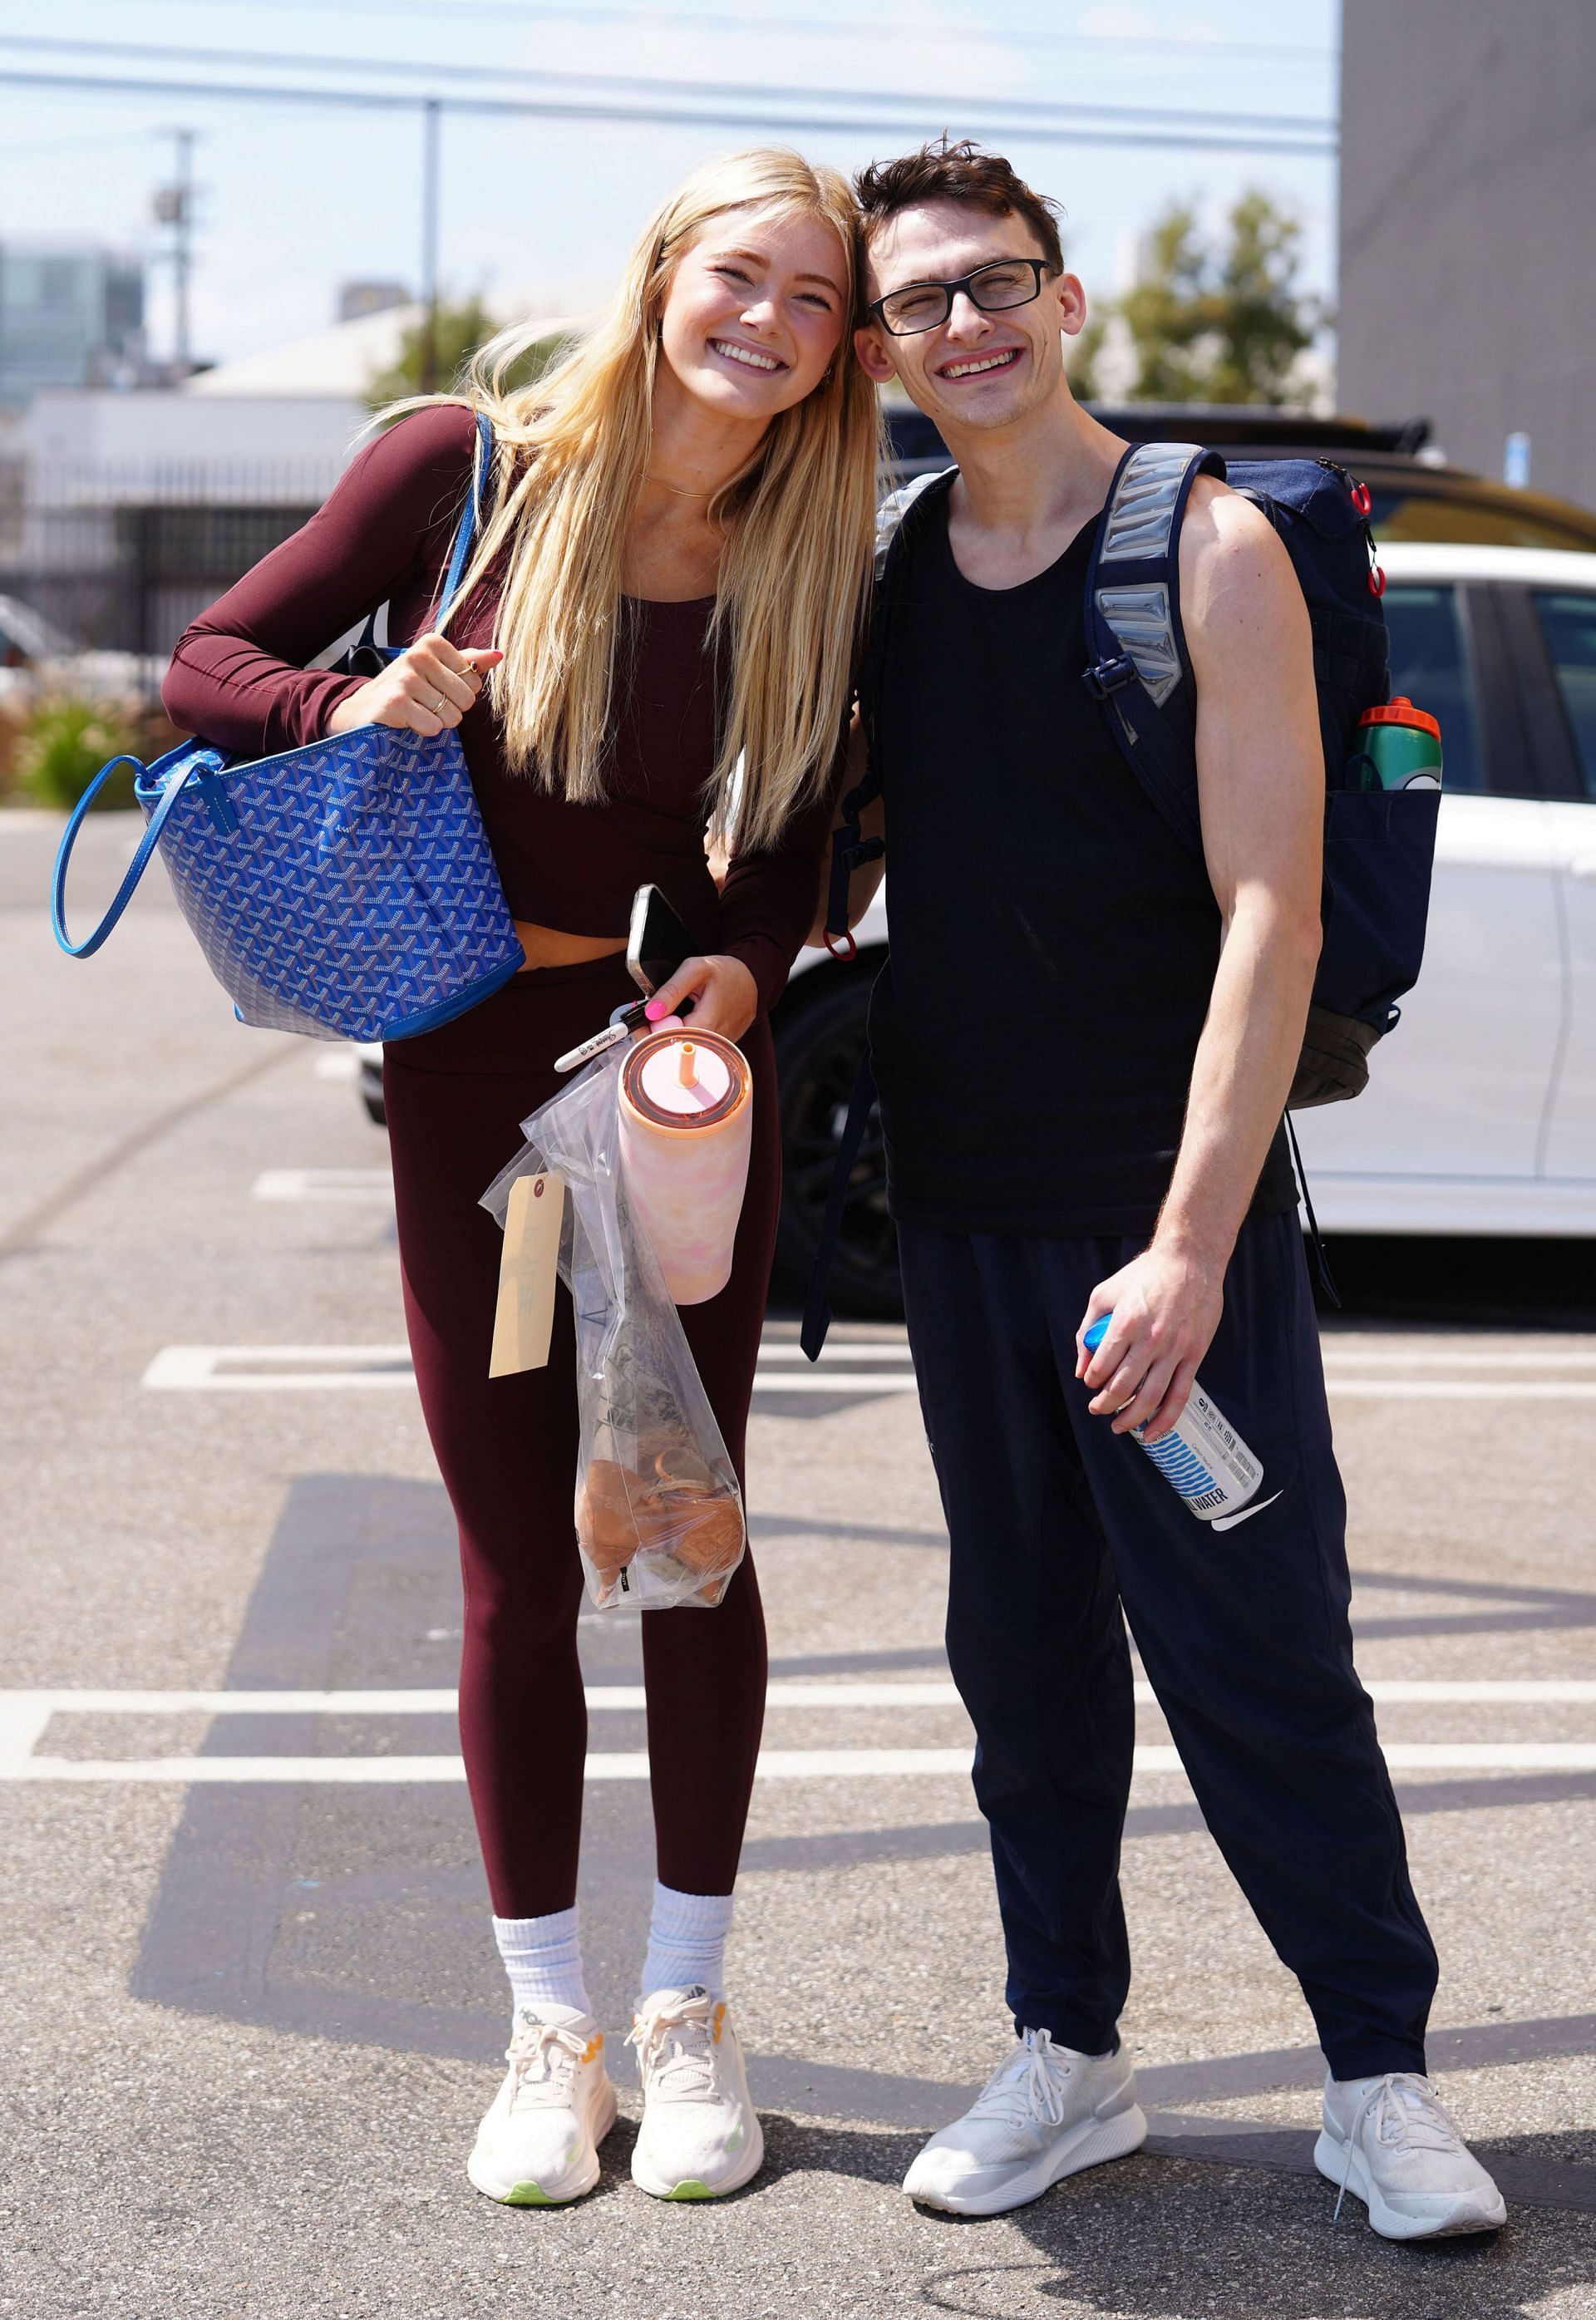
[[528, 1271]]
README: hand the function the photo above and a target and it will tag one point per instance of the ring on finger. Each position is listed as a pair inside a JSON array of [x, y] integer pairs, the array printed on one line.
[[438, 706]]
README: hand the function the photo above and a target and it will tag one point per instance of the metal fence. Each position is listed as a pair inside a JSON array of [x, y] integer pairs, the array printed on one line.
[[121, 562]]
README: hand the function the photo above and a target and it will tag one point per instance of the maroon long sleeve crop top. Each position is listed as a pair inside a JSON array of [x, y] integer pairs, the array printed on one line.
[[240, 678]]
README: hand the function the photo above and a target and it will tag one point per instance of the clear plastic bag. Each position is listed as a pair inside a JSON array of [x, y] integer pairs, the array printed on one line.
[[659, 1516]]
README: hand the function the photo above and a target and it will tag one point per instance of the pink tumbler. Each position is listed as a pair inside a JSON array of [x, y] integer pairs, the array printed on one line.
[[685, 1123]]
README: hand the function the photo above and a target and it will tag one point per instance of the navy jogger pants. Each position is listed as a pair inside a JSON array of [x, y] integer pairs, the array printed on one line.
[[1056, 1522]]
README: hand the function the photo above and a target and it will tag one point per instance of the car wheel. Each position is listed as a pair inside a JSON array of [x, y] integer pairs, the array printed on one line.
[[818, 1047]]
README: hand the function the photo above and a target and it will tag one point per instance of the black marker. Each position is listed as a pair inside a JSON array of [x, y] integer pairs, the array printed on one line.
[[631, 1019]]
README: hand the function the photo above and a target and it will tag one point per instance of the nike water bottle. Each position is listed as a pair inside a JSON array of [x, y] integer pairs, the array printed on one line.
[[1202, 1457]]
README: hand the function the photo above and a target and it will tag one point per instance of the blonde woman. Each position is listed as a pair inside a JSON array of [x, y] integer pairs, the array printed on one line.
[[670, 580]]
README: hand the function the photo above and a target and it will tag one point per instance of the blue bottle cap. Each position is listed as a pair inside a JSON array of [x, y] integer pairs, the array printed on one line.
[[1097, 1333]]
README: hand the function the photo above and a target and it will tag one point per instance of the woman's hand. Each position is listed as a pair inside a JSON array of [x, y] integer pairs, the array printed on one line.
[[724, 995], [428, 688]]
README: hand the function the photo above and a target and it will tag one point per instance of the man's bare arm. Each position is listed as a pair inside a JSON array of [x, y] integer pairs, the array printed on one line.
[[1261, 785], [863, 884]]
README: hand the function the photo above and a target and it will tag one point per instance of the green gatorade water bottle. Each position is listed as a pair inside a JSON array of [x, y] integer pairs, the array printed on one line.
[[1399, 749]]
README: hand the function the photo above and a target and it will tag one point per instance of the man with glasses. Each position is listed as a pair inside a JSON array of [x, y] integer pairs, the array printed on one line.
[[1082, 1045]]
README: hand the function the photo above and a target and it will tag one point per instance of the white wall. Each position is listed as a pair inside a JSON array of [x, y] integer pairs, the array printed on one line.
[[141, 441]]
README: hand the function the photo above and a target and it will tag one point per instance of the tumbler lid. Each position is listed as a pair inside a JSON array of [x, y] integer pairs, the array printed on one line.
[[684, 1079]]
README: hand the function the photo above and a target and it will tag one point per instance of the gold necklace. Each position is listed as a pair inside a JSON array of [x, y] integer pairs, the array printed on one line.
[[681, 494]]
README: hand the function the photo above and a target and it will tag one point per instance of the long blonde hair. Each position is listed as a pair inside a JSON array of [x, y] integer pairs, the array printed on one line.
[[571, 453]]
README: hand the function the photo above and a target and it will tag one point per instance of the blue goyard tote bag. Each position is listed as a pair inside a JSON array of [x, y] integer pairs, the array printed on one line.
[[345, 889]]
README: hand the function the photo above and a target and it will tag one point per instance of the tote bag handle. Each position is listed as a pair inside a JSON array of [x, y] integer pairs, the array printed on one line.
[[471, 520], [207, 761]]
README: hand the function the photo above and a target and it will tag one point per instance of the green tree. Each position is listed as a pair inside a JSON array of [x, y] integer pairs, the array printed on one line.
[[1224, 323], [461, 329]]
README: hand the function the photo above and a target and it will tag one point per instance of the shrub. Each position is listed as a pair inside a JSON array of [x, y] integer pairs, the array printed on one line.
[[64, 743]]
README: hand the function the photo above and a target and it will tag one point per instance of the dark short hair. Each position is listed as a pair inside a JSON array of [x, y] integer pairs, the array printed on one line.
[[955, 170]]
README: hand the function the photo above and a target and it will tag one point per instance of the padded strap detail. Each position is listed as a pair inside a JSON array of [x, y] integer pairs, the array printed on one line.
[[1143, 623], [1145, 498], [890, 514], [1133, 626]]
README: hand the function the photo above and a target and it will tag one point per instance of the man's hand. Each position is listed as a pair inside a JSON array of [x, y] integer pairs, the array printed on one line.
[[1167, 1306], [724, 995], [426, 691]]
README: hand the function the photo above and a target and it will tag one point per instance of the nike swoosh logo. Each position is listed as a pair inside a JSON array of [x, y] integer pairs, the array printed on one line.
[[1228, 1522]]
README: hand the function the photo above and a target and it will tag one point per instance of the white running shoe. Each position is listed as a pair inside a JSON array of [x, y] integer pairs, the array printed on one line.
[[1047, 2113], [701, 2135], [1389, 2143], [538, 2145]]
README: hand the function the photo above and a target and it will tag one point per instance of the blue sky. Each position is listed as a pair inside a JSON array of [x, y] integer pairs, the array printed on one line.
[[296, 201]]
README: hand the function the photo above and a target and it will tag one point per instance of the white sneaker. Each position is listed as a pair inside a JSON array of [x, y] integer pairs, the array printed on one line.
[[538, 2146], [1389, 2143], [701, 2135], [1045, 2114]]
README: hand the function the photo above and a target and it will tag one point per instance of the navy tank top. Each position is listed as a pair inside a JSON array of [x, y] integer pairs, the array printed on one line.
[[1054, 943]]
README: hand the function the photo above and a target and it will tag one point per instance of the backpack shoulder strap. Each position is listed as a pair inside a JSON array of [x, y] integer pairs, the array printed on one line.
[[897, 518], [1135, 642]]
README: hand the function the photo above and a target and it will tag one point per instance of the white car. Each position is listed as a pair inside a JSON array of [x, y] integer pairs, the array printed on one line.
[[1480, 1115]]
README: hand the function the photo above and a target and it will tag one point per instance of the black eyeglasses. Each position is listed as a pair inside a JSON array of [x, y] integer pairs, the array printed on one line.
[[1000, 283]]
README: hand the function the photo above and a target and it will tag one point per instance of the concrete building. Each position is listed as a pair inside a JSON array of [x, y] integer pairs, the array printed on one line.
[[71, 314], [1468, 262]]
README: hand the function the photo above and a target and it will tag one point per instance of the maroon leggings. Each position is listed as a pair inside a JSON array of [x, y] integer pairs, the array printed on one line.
[[507, 1451]]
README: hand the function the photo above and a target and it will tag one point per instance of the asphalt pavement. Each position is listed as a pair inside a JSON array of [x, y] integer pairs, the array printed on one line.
[[250, 2009]]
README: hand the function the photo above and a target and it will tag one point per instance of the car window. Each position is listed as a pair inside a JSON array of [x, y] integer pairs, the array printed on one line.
[[1569, 624], [1429, 662], [1398, 515]]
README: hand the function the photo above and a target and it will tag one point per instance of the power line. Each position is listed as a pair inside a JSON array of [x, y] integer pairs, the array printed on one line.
[[639, 19], [696, 116], [639, 85]]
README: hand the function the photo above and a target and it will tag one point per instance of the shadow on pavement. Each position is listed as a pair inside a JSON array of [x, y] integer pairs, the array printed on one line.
[[360, 1913]]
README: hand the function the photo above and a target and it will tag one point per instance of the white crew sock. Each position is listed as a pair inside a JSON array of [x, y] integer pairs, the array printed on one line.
[[688, 1940], [543, 1958]]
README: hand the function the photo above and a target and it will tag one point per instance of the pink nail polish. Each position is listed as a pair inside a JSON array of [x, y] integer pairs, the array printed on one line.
[[655, 1009]]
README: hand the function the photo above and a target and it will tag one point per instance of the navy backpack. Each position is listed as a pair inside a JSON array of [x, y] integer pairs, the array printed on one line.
[[1379, 846]]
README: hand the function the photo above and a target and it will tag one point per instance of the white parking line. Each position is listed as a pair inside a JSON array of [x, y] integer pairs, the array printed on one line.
[[1421, 1357], [828, 1379], [32, 1708], [1464, 1388], [337, 1063], [278, 1369], [323, 1369], [363, 1185], [775, 1764], [24, 1716]]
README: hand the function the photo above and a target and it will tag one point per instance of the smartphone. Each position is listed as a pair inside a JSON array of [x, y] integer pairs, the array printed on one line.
[[656, 946], [658, 942]]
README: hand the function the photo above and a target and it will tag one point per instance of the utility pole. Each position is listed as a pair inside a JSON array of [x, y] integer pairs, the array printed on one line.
[[432, 116], [174, 206]]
